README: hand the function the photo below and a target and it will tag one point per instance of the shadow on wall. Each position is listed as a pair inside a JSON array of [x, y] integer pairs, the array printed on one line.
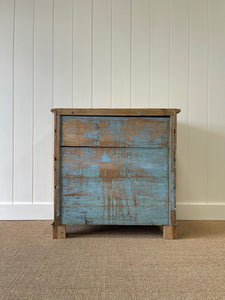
[[200, 165]]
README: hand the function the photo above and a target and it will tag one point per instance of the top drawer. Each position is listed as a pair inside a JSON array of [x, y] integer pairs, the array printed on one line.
[[109, 131]]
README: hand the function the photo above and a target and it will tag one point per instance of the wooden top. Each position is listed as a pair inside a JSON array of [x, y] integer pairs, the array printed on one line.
[[116, 112]]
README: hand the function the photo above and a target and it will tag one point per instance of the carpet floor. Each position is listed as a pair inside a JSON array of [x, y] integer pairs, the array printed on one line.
[[112, 262]]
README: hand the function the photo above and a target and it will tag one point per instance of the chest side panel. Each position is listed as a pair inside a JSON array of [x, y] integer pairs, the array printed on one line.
[[114, 131]]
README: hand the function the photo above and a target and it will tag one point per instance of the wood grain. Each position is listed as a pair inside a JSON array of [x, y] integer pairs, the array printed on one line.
[[59, 231], [114, 201], [116, 112], [116, 169], [172, 177], [169, 232], [57, 178], [115, 162], [115, 131]]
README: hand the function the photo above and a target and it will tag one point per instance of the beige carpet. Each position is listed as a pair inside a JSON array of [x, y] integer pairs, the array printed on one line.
[[106, 263]]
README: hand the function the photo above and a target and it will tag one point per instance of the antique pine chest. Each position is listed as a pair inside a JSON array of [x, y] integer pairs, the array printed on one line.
[[115, 166]]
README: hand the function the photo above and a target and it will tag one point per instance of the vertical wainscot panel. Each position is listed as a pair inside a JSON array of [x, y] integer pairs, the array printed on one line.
[[102, 53], [82, 53], [179, 85], [198, 99], [6, 99], [43, 154], [121, 30], [216, 125], [140, 53], [62, 52], [23, 101], [160, 53]]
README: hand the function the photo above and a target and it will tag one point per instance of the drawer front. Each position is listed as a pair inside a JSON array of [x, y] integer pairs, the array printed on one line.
[[114, 170], [130, 201], [115, 162], [114, 185], [114, 131]]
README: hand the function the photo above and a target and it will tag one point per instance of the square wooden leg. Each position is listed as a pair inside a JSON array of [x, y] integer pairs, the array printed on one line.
[[170, 232], [59, 231]]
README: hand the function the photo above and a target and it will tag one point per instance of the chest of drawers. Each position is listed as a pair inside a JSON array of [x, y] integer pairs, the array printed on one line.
[[115, 166]]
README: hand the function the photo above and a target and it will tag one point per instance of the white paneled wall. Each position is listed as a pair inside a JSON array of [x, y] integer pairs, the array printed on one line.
[[111, 53]]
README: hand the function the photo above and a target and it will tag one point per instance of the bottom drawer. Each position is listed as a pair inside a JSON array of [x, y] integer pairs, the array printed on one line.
[[116, 201]]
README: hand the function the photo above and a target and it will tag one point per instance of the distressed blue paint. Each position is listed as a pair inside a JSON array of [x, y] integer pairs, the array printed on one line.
[[128, 185], [115, 131], [96, 216], [113, 201], [105, 157], [115, 162]]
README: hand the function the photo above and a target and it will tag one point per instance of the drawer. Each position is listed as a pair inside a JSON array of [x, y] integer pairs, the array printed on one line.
[[115, 162], [114, 185], [133, 201], [100, 131]]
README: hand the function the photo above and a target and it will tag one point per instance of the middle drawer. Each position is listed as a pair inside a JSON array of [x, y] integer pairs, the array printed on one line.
[[115, 162]]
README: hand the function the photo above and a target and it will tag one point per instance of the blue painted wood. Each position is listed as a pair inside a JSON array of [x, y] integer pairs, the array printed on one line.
[[113, 201], [100, 131], [115, 162], [133, 216]]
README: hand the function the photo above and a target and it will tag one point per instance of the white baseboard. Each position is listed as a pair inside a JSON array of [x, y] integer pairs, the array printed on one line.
[[192, 211], [45, 211], [26, 211]]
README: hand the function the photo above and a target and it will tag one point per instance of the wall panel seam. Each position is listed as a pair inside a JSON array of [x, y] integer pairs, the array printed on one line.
[[207, 135], [52, 88], [92, 42], [131, 52], [13, 101], [170, 52], [72, 54], [188, 105], [33, 101], [111, 62], [150, 51]]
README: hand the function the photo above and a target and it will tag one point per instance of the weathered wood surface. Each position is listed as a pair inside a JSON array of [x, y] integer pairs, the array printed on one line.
[[172, 169], [115, 162], [132, 216], [115, 166], [114, 201], [115, 131], [116, 112], [57, 170], [59, 231], [170, 232]]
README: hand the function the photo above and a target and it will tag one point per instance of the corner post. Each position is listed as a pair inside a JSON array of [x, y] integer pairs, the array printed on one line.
[[169, 231], [59, 230]]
